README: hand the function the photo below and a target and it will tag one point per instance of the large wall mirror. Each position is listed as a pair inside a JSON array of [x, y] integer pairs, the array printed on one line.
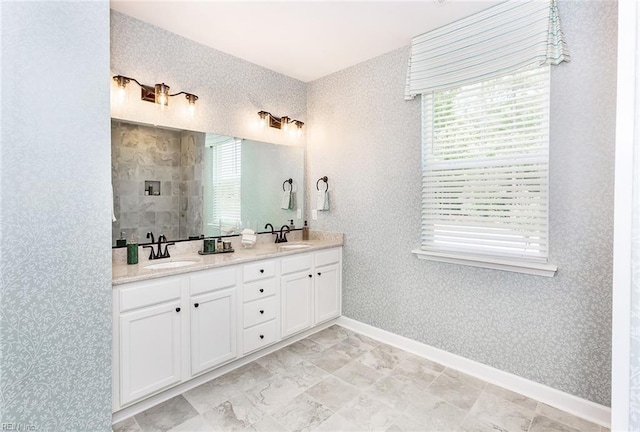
[[186, 184]]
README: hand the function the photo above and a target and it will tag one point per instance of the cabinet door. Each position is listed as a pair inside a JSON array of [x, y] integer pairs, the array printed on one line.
[[296, 302], [213, 329], [150, 350], [327, 293]]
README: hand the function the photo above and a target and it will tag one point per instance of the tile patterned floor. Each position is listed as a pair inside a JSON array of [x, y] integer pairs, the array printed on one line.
[[338, 380]]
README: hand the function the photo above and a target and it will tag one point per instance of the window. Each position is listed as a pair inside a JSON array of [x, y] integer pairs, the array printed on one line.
[[486, 173], [226, 162]]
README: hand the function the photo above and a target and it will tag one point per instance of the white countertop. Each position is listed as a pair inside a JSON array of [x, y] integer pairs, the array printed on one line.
[[123, 273]]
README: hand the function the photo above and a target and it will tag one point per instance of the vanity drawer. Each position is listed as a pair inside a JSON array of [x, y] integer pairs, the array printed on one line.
[[260, 336], [296, 263], [259, 289], [149, 293], [260, 270], [327, 257], [212, 280], [260, 311]]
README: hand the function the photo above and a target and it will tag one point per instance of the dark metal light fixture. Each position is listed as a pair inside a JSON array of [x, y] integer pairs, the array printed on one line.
[[158, 93], [268, 119]]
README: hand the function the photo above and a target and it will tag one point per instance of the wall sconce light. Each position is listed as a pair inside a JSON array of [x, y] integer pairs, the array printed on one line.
[[158, 93], [268, 119]]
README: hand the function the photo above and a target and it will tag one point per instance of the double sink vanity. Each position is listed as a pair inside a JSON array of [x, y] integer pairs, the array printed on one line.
[[185, 317]]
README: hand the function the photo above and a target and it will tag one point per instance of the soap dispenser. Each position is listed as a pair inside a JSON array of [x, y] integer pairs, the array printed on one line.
[[305, 231], [121, 241]]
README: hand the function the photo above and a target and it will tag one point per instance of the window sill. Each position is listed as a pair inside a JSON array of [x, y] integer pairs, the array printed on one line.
[[539, 269]]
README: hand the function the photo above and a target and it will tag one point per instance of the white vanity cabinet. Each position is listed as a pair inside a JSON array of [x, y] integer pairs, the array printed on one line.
[[213, 308], [311, 289], [260, 309], [150, 338], [172, 329]]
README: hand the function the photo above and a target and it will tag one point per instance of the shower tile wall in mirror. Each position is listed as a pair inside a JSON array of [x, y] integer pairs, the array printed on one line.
[[186, 184]]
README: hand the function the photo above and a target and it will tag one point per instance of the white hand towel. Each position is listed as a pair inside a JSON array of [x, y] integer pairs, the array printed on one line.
[[285, 204], [322, 201]]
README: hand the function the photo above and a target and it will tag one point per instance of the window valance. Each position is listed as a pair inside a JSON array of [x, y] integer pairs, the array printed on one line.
[[501, 39]]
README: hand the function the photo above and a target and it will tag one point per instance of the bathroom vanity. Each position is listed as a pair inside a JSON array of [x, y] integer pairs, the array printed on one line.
[[175, 324]]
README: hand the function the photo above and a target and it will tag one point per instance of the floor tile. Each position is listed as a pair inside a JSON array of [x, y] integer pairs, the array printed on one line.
[[338, 423], [543, 424], [329, 336], [279, 361], [302, 414], [166, 415], [566, 418], [507, 415], [210, 395], [420, 373], [273, 393], [364, 339], [352, 347], [333, 392], [467, 379], [434, 414], [405, 424], [369, 413], [244, 377], [196, 424], [474, 424], [305, 347], [381, 360], [458, 393], [236, 414], [513, 397], [358, 375], [126, 425], [395, 391], [329, 360], [267, 424]]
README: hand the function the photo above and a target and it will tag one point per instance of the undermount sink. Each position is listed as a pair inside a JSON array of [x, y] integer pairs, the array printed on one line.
[[170, 264], [295, 246]]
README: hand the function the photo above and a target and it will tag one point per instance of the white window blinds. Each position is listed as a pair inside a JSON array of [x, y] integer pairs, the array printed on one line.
[[227, 163], [499, 40], [485, 167]]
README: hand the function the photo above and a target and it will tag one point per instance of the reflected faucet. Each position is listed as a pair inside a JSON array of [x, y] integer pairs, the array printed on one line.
[[283, 235], [272, 231], [153, 255]]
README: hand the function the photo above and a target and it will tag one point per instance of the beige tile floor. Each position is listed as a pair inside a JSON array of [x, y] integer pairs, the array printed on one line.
[[338, 380]]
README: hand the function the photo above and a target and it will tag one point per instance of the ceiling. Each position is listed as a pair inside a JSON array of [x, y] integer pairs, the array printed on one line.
[[305, 40]]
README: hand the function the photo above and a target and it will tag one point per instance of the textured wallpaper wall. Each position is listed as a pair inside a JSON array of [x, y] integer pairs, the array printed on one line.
[[231, 90], [366, 139], [55, 309]]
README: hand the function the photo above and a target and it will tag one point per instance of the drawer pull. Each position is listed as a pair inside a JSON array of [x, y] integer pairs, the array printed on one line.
[[261, 336], [319, 274], [177, 309], [261, 290], [196, 304], [310, 275], [261, 311], [261, 270]]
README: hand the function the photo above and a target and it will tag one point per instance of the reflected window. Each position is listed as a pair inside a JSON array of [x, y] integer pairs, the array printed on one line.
[[226, 161]]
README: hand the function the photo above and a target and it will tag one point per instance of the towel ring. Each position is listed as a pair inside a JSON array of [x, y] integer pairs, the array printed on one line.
[[324, 179], [290, 181]]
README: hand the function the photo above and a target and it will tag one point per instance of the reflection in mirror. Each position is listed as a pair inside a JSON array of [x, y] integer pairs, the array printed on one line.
[[186, 184]]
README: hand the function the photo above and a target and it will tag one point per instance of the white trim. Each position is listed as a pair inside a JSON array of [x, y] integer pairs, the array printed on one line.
[[583, 408], [539, 269], [154, 400], [626, 111]]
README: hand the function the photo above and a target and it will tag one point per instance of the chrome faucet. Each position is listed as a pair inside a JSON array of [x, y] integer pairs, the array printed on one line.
[[283, 234]]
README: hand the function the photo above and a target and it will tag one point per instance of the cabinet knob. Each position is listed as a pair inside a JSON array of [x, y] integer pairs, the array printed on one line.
[[319, 274], [177, 309], [261, 311], [196, 304], [261, 290], [261, 336], [310, 275], [261, 270]]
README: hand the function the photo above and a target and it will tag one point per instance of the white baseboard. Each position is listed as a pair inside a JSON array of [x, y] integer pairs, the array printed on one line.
[[583, 408]]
